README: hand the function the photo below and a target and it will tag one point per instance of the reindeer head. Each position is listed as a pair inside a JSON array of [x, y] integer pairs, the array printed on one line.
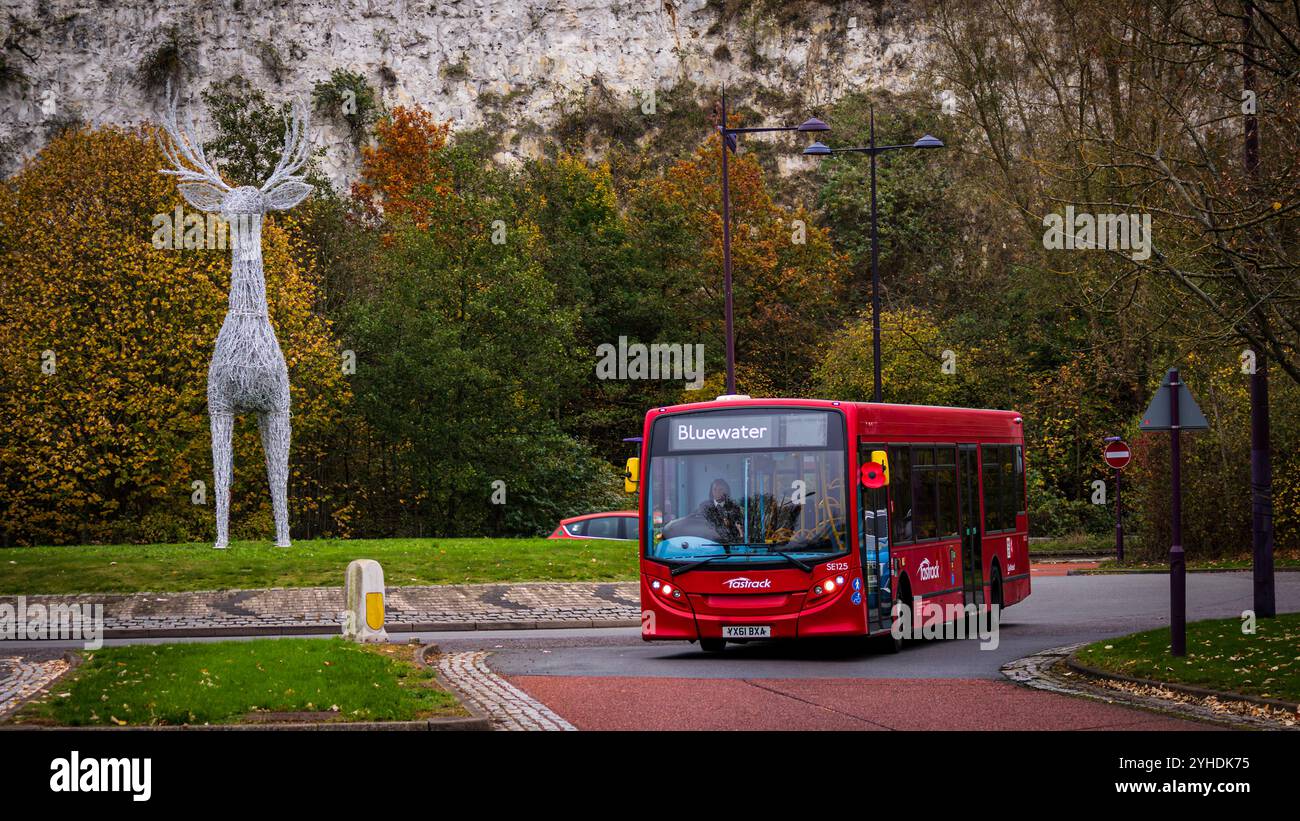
[[243, 207]]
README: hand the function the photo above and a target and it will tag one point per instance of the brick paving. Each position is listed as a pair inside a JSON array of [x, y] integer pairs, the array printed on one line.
[[21, 677], [527, 605], [508, 707]]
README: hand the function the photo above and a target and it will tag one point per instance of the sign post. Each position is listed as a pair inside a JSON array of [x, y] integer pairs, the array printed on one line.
[[1173, 409], [1118, 455]]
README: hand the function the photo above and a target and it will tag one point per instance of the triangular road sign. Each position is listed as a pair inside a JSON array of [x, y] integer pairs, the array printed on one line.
[[1158, 416]]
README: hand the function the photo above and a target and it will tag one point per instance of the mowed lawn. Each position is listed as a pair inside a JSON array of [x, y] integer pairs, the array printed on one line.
[[269, 680], [1219, 656], [1282, 559], [319, 563]]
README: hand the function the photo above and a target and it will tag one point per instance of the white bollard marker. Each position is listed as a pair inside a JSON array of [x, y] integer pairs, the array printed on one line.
[[363, 620]]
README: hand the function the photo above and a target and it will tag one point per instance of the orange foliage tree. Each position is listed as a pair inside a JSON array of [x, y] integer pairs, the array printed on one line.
[[403, 168]]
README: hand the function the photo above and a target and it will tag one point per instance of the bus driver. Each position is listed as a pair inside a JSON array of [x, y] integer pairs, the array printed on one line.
[[720, 511]]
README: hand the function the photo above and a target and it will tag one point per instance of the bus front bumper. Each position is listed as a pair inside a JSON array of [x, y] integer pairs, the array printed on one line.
[[693, 617]]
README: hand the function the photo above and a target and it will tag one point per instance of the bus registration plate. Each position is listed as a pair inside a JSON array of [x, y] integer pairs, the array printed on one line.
[[747, 631]]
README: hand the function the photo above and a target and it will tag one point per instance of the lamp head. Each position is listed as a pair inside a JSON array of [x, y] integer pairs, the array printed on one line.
[[928, 142], [817, 149], [813, 124]]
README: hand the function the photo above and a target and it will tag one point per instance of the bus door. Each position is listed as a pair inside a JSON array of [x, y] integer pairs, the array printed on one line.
[[972, 559], [873, 547]]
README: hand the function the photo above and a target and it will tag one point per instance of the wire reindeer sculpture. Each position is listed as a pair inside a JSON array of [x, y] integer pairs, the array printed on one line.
[[247, 373]]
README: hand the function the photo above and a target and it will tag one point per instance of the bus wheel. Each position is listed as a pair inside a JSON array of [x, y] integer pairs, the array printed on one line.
[[889, 644], [995, 587], [712, 645]]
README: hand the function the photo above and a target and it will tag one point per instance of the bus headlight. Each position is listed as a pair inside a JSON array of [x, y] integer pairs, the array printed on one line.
[[669, 591], [827, 586]]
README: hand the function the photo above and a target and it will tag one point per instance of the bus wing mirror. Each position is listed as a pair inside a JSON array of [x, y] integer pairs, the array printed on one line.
[[633, 475]]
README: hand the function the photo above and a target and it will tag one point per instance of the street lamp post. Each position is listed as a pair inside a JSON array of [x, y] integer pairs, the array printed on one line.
[[817, 149], [729, 143]]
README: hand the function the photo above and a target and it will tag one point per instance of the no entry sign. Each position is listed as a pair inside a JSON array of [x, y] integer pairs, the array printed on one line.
[[1117, 455]]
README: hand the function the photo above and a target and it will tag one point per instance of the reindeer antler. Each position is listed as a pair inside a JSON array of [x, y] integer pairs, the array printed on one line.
[[293, 154], [187, 158]]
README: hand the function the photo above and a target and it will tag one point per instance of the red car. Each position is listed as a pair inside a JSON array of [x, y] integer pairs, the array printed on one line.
[[616, 524]]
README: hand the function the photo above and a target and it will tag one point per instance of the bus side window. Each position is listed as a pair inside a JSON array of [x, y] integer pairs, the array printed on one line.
[[876, 524], [991, 481], [882, 539], [1020, 480], [868, 529], [900, 489]]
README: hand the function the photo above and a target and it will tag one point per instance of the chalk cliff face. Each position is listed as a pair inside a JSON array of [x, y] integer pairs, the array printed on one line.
[[522, 60]]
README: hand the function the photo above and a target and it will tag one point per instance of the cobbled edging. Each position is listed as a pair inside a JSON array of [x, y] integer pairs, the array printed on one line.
[[21, 678], [488, 694], [1048, 670], [314, 610]]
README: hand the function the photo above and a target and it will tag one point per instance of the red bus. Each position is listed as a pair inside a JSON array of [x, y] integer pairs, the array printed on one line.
[[756, 521]]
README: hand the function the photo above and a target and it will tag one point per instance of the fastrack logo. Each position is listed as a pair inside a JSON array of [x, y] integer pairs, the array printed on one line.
[[927, 570], [742, 583]]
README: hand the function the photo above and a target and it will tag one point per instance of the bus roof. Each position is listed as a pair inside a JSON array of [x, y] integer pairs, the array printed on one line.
[[887, 420]]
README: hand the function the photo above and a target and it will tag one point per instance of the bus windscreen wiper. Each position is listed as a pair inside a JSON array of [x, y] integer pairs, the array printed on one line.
[[799, 563], [771, 548], [700, 562]]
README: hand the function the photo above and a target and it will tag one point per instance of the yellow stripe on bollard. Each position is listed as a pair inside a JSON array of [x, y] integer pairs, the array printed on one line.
[[375, 610]]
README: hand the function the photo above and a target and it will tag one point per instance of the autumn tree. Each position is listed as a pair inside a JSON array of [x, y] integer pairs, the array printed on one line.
[[467, 348], [403, 170], [591, 256], [918, 366], [1140, 108], [789, 282]]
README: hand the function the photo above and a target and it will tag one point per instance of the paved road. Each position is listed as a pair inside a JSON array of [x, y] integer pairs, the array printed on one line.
[[1062, 610], [624, 683], [611, 679]]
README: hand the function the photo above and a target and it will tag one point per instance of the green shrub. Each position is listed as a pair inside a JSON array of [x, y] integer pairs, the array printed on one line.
[[347, 96]]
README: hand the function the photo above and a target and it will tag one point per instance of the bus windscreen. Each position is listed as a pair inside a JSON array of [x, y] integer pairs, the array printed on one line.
[[743, 487]]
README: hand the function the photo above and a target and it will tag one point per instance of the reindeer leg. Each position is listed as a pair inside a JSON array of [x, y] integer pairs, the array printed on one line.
[[275, 442], [222, 426]]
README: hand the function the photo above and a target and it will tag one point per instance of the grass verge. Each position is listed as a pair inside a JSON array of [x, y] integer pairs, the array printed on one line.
[[320, 563], [236, 682], [1219, 656], [1076, 544], [1281, 559]]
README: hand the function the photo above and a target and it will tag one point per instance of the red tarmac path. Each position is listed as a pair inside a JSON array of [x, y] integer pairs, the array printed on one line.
[[636, 703], [605, 702]]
